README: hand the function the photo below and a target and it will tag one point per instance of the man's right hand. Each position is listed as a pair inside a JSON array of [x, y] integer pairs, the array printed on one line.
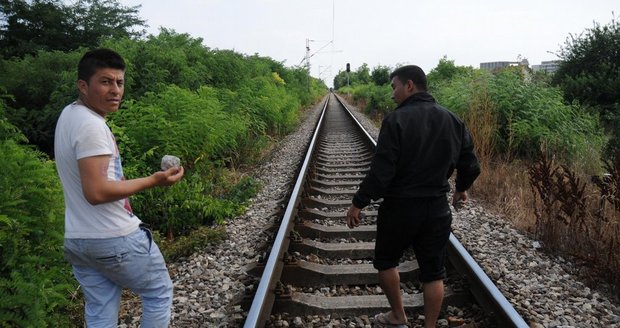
[[98, 189], [353, 217], [169, 176]]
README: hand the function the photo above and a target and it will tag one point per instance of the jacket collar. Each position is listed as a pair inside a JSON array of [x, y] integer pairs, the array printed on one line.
[[417, 97]]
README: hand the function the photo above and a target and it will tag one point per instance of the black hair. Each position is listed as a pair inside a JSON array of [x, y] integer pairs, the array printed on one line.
[[413, 73], [97, 59]]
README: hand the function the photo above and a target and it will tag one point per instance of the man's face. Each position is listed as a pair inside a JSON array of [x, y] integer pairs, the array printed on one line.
[[401, 91], [103, 93]]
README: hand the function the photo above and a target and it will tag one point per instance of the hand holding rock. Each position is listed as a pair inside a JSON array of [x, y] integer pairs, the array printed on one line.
[[169, 161]]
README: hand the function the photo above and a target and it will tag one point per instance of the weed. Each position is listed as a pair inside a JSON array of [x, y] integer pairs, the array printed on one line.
[[187, 245]]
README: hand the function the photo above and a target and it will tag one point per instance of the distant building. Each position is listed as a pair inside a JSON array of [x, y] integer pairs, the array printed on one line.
[[495, 65], [549, 66], [501, 64]]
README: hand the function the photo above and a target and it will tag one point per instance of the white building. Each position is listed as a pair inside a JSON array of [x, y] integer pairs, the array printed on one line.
[[549, 66], [501, 64]]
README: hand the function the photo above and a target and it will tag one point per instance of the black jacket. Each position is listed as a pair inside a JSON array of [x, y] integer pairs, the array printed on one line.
[[420, 144]]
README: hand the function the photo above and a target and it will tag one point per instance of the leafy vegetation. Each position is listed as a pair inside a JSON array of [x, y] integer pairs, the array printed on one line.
[[527, 112], [34, 278], [375, 99], [217, 110], [27, 27], [35, 103], [589, 74]]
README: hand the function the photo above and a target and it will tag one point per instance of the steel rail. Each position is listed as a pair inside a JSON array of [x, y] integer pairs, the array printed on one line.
[[264, 297], [485, 291]]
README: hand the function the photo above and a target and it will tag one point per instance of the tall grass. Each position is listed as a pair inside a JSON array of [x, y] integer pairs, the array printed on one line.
[[578, 217], [481, 120]]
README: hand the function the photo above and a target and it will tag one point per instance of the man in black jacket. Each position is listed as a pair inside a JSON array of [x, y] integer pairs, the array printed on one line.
[[420, 145]]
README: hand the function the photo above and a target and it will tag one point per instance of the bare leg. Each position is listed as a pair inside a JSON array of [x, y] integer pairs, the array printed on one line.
[[433, 297], [390, 283]]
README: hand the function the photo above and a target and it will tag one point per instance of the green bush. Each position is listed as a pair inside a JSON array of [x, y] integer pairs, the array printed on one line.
[[378, 99], [35, 101], [531, 115], [194, 127], [176, 121], [153, 65], [209, 135], [589, 71], [207, 195], [162, 60], [34, 278], [272, 105]]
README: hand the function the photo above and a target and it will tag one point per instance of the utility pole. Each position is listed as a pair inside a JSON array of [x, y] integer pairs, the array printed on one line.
[[307, 59]]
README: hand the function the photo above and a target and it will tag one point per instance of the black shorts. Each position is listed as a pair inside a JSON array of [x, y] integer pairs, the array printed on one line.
[[424, 224]]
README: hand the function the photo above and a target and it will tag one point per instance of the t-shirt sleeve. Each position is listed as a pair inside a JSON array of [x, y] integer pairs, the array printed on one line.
[[91, 139]]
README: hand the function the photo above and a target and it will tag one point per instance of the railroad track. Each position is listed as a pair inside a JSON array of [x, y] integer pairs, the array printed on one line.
[[317, 266]]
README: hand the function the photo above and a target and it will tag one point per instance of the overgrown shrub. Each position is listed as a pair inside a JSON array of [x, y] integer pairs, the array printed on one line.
[[153, 65], [377, 100], [533, 114], [34, 278], [528, 115], [195, 127], [589, 73], [36, 102]]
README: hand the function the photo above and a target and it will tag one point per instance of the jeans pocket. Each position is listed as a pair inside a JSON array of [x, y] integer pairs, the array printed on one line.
[[110, 255], [140, 241], [149, 235], [72, 252]]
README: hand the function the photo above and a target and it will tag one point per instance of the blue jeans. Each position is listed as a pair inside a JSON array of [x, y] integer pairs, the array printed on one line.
[[103, 267]]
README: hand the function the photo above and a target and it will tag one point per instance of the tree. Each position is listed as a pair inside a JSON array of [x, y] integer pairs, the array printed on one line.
[[445, 71], [341, 79], [363, 74], [590, 73], [35, 102], [357, 77], [27, 27], [380, 75], [96, 19]]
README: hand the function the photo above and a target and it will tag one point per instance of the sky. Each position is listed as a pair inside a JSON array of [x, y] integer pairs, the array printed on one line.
[[387, 33]]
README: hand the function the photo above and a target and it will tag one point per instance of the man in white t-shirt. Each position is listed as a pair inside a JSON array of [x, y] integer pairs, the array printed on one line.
[[104, 241]]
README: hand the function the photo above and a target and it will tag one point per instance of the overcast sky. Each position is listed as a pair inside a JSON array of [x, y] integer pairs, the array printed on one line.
[[389, 33]]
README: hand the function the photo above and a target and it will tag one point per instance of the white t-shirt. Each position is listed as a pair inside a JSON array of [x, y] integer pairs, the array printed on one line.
[[81, 133]]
